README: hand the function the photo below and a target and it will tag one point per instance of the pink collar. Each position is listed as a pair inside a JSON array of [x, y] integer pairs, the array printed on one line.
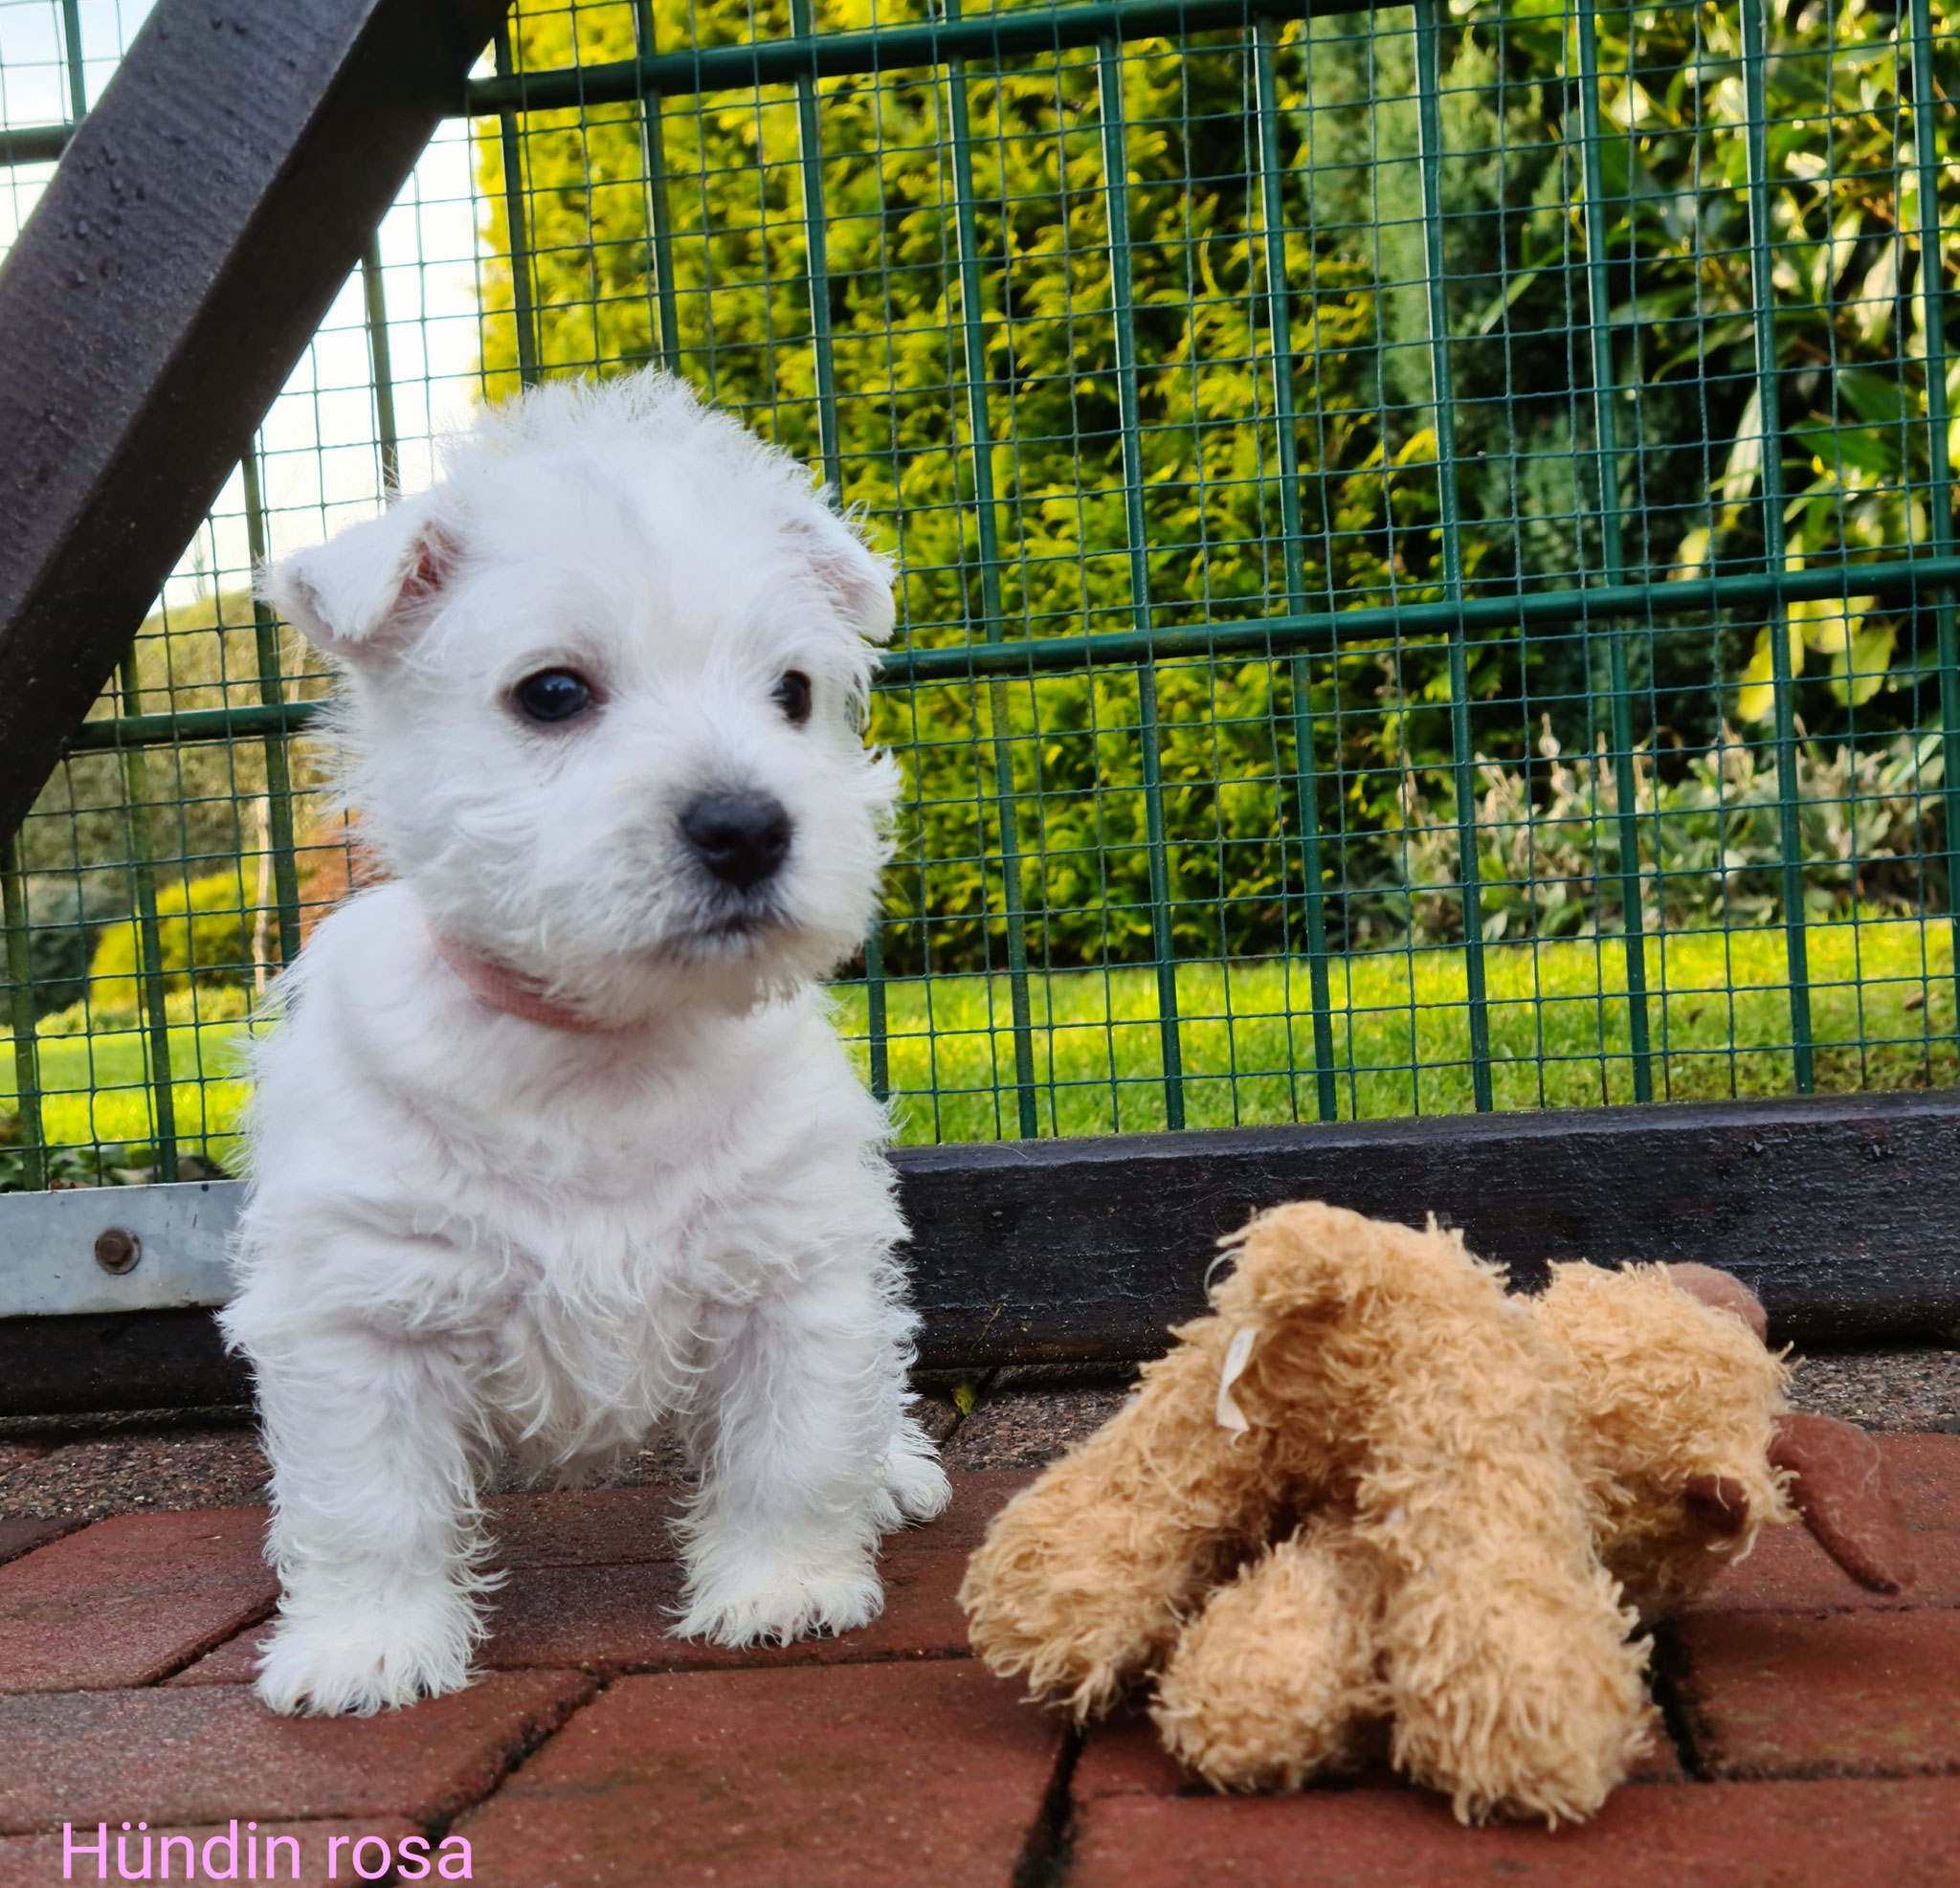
[[501, 989]]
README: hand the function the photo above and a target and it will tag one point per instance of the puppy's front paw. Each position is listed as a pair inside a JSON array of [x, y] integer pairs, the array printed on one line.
[[917, 1483], [760, 1601], [352, 1662]]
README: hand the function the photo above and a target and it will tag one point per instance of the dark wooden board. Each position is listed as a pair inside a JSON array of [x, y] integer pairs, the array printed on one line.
[[1842, 1212], [123, 1360], [203, 217]]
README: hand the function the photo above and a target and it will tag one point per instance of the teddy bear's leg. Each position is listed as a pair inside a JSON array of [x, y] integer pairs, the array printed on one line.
[[1084, 1579], [1274, 1681], [1514, 1685]]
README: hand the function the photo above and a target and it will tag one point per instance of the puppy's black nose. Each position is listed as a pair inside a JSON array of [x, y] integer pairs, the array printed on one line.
[[741, 839]]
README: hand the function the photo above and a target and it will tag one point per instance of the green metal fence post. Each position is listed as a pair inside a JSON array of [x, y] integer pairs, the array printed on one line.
[[1926, 105], [374, 301], [27, 1065], [1770, 401], [1606, 445], [987, 531], [271, 693], [148, 932], [523, 290], [1430, 158], [1116, 189], [816, 239], [877, 1026], [1306, 771], [653, 136], [71, 48], [815, 233]]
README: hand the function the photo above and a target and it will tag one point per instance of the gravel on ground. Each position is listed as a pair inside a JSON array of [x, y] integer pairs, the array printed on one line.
[[82, 1469]]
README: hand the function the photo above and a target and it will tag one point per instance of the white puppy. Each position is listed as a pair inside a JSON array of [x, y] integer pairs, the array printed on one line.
[[554, 1139]]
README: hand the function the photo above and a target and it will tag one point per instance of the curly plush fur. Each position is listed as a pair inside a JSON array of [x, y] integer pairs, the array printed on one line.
[[1373, 1496]]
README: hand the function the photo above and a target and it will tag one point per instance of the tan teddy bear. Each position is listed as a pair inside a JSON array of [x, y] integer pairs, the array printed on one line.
[[1373, 1498]]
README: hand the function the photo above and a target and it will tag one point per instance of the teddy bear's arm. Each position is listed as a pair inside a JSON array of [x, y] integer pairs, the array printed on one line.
[[1274, 1681], [1084, 1579]]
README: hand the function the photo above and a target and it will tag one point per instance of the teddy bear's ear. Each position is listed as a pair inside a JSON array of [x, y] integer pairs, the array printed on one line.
[[1724, 1291], [359, 595], [1839, 1486]]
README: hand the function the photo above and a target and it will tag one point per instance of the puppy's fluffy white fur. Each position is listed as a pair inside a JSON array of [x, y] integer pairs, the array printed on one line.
[[470, 1232]]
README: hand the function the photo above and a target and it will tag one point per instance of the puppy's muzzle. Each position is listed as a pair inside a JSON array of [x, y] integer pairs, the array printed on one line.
[[741, 839]]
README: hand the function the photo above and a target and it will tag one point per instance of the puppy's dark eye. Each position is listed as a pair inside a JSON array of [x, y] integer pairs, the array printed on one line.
[[792, 695], [552, 695]]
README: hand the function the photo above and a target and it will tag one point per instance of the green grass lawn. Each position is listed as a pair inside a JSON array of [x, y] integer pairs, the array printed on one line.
[[96, 1089], [1881, 1010], [1881, 1017]]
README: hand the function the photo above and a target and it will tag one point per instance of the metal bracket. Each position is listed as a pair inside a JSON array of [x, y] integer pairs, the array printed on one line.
[[59, 1254]]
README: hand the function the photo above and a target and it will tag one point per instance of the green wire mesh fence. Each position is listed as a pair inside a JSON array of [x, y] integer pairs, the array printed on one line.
[[1426, 542]]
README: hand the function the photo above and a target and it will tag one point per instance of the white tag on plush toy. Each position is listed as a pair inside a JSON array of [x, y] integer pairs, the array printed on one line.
[[1237, 1355]]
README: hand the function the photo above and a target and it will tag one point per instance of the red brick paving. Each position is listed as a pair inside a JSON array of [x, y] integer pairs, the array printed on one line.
[[613, 1617], [889, 1757], [600, 1618], [611, 1620], [635, 1527], [910, 1774], [616, 1619], [978, 1495], [1790, 1695], [588, 1527], [22, 1536], [1902, 1834], [1122, 1757], [1925, 1471], [36, 1861], [235, 1662], [128, 1600], [166, 1756]]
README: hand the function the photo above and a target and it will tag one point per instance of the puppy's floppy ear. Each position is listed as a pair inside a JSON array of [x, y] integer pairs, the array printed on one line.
[[356, 595], [852, 575]]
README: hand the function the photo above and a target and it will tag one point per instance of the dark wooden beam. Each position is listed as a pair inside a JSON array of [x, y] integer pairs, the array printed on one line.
[[202, 219], [124, 1360], [1843, 1213]]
